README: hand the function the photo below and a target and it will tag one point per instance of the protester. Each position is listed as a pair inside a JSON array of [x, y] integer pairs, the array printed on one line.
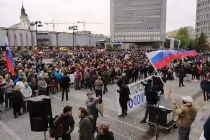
[[151, 98], [205, 85], [65, 122], [123, 98], [206, 129], [92, 109], [2, 90], [104, 133], [182, 74], [99, 87], [8, 92], [78, 79], [186, 116], [17, 101], [85, 125], [64, 84], [42, 86], [26, 94]]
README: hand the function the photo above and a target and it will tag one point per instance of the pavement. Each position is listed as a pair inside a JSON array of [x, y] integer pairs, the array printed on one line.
[[127, 128]]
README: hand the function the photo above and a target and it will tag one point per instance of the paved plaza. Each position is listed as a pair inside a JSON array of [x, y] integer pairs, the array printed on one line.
[[127, 128]]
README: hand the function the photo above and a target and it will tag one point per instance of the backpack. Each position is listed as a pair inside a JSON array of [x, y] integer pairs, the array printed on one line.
[[57, 129]]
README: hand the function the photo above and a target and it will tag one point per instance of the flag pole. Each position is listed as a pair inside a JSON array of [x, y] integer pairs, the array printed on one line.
[[156, 70]]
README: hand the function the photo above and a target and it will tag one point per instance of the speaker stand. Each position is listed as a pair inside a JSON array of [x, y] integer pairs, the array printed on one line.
[[45, 135]]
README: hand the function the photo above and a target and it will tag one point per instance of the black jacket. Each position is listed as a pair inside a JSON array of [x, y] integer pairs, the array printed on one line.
[[207, 129], [65, 82], [124, 93], [152, 97], [67, 122]]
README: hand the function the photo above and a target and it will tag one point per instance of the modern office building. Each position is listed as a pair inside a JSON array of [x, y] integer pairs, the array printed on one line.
[[203, 18], [138, 21]]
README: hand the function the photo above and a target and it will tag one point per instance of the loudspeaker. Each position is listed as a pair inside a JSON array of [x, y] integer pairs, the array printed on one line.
[[39, 124], [40, 113]]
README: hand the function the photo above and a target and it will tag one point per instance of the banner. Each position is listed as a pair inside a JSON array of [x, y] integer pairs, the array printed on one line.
[[137, 98]]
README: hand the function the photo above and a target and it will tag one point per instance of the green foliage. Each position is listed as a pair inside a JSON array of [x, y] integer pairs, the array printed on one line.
[[192, 45], [116, 47], [202, 43], [183, 36], [109, 47]]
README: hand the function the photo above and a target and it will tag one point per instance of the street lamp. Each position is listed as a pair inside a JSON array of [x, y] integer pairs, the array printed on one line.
[[73, 28], [37, 24]]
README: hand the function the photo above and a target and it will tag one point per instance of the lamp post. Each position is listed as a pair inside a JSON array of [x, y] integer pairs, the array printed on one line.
[[37, 24], [73, 28]]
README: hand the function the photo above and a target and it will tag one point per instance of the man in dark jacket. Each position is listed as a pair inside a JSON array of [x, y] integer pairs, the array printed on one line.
[[205, 86], [151, 97], [85, 125], [65, 83], [207, 129], [124, 98], [66, 122], [182, 74]]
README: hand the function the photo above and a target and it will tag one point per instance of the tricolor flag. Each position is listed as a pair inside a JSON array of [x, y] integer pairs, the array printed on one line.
[[9, 58], [162, 58]]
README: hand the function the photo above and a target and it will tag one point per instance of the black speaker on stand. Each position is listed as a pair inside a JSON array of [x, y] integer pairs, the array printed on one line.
[[40, 113]]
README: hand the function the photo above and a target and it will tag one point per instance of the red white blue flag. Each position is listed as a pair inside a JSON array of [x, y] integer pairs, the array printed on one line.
[[162, 58], [9, 58]]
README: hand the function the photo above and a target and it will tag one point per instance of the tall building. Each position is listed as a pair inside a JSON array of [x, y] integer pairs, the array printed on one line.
[[203, 17], [138, 21]]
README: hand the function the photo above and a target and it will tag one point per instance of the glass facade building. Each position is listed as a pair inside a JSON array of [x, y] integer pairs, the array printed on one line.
[[138, 20], [203, 17]]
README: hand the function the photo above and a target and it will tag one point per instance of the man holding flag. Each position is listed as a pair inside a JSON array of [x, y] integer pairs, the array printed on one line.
[[9, 58], [161, 58]]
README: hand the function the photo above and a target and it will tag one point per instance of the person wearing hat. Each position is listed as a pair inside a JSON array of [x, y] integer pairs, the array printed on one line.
[[186, 116]]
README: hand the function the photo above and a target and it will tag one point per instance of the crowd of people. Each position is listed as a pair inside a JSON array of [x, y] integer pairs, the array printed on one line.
[[92, 70]]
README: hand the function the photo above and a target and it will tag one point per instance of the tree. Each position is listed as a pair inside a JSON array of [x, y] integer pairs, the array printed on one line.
[[116, 47], [109, 47], [183, 36], [192, 45], [202, 43]]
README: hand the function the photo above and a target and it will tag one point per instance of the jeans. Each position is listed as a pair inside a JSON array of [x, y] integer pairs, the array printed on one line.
[[8, 100], [184, 133], [65, 90], [1, 98]]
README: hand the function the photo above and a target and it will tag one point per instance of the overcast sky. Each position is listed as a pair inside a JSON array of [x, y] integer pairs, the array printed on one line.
[[179, 13]]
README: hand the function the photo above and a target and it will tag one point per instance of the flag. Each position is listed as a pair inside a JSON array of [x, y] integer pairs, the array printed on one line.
[[161, 58], [9, 58]]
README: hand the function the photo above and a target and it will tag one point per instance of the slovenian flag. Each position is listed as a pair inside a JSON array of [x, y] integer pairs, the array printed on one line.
[[9, 58], [162, 58]]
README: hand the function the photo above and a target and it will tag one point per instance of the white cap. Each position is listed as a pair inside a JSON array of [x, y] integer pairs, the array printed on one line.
[[123, 74], [187, 99]]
